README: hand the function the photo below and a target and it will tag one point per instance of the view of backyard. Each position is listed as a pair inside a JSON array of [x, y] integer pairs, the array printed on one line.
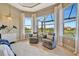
[[28, 30], [69, 33]]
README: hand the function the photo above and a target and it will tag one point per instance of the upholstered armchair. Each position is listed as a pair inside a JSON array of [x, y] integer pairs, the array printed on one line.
[[50, 44], [47, 44], [34, 38]]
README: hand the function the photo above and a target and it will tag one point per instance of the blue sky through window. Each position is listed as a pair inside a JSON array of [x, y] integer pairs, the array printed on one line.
[[73, 14], [49, 17], [70, 24], [68, 9], [27, 21]]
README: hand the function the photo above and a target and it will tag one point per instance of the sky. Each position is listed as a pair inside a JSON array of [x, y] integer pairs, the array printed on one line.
[[73, 14], [48, 17], [28, 22]]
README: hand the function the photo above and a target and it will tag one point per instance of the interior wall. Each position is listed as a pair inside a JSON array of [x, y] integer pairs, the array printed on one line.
[[28, 14], [15, 13]]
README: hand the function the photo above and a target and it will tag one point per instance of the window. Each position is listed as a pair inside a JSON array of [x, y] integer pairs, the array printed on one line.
[[49, 23], [70, 21], [28, 25]]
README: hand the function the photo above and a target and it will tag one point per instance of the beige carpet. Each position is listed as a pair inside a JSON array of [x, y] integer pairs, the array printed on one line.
[[23, 48]]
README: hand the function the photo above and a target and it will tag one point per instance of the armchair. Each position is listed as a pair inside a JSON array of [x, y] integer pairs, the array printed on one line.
[[34, 38], [51, 44]]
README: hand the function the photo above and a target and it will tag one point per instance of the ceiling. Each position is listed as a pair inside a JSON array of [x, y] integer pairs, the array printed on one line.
[[31, 7]]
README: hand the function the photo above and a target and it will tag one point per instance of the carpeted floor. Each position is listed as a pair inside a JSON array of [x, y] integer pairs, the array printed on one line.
[[23, 48]]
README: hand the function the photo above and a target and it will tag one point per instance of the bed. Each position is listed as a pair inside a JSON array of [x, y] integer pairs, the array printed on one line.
[[5, 48]]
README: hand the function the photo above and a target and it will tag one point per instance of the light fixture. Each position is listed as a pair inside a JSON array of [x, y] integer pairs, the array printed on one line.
[[9, 15]]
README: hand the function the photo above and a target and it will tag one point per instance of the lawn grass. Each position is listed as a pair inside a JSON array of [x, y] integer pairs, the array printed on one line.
[[67, 33], [27, 30], [70, 33]]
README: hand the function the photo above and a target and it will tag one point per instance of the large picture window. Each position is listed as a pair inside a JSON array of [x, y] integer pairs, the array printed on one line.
[[28, 25], [70, 20], [46, 23]]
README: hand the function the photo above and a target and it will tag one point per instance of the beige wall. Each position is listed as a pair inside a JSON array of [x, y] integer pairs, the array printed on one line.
[[15, 13]]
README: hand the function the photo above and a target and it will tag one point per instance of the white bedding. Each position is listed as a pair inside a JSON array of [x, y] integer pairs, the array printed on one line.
[[5, 51]]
